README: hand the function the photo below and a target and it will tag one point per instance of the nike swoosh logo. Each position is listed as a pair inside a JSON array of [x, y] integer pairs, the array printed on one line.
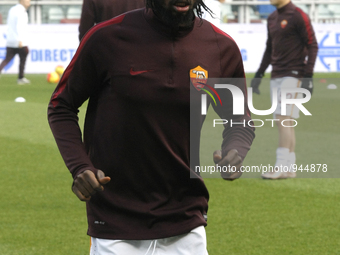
[[132, 72]]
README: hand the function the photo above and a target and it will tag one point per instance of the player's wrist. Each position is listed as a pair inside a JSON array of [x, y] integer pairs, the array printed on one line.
[[80, 171], [258, 75]]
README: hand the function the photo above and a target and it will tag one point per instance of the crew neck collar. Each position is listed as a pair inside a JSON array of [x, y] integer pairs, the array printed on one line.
[[285, 7]]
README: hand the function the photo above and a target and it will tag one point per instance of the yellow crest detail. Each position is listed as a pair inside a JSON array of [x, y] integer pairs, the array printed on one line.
[[198, 77]]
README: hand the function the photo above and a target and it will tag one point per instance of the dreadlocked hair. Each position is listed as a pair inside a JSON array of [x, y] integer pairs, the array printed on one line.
[[199, 6]]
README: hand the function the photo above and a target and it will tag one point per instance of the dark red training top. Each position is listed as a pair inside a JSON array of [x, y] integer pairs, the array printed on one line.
[[135, 72], [291, 45]]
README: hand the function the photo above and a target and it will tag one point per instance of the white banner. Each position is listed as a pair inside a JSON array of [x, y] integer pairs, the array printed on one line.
[[53, 45], [49, 46]]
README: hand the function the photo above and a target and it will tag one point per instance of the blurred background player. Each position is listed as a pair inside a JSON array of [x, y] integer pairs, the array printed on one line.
[[95, 11], [16, 43], [291, 50]]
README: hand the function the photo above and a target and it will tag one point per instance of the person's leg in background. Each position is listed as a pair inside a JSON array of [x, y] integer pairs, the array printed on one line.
[[285, 152], [23, 52], [10, 53]]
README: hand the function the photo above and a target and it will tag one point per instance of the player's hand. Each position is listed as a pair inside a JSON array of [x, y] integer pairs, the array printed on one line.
[[307, 83], [20, 44], [255, 83], [87, 184], [233, 160]]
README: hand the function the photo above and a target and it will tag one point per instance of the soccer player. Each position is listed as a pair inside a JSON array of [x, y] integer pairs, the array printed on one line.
[[291, 50], [95, 11], [133, 166], [16, 42]]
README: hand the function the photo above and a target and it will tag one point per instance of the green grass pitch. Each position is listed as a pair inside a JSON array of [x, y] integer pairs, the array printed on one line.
[[40, 215]]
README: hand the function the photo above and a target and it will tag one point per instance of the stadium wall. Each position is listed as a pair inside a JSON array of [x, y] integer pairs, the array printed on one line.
[[52, 45]]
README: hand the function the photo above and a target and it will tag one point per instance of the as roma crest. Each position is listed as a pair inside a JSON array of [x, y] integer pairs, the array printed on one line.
[[284, 23], [198, 77]]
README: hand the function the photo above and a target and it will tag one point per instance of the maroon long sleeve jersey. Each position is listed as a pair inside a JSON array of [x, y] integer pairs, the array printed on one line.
[[135, 72], [96, 11], [291, 46]]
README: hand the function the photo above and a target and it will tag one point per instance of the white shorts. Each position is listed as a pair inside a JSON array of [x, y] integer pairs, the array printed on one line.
[[192, 243], [286, 82]]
